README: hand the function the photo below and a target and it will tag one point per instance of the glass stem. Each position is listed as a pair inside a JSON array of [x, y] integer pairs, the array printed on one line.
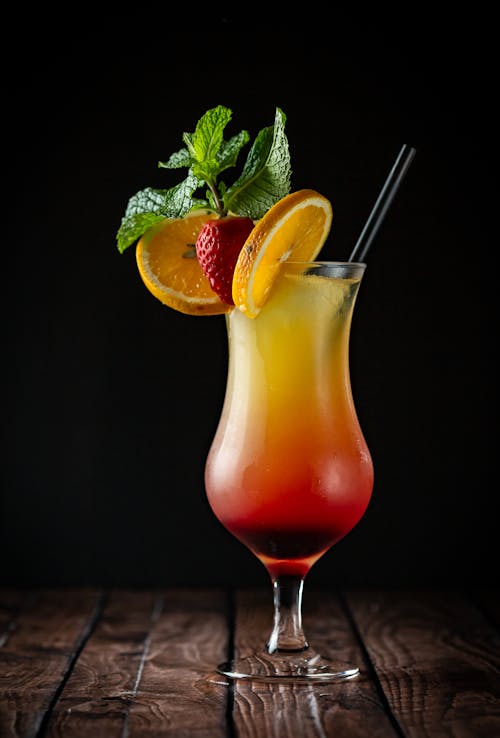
[[287, 634]]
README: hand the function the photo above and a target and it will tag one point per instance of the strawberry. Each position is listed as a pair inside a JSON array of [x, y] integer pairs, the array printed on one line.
[[218, 247]]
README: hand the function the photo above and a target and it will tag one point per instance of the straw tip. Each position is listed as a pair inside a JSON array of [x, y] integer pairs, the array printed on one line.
[[411, 150], [385, 198]]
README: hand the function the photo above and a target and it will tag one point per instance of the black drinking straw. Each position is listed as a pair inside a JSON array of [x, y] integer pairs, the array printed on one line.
[[385, 198]]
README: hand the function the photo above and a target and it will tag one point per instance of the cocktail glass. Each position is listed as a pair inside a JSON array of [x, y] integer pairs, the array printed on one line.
[[289, 472]]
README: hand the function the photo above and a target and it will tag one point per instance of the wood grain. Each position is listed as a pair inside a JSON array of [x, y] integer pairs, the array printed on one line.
[[142, 665], [97, 696], [346, 710], [437, 660], [176, 696], [37, 656]]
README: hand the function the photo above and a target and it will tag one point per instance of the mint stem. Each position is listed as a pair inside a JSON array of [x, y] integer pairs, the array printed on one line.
[[218, 203]]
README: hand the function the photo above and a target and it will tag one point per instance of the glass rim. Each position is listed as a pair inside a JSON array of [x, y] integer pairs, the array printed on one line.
[[327, 263], [339, 269]]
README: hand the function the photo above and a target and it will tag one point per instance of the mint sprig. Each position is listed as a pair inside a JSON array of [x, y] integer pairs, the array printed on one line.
[[266, 175], [264, 180]]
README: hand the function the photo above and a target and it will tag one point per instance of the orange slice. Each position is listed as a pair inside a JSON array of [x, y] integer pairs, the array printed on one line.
[[294, 229], [167, 263]]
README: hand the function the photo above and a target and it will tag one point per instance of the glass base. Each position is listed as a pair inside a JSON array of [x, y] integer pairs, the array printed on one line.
[[306, 666]]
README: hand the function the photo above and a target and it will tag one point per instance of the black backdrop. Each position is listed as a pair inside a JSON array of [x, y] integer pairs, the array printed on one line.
[[111, 399]]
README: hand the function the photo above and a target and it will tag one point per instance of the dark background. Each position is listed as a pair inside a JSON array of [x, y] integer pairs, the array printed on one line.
[[111, 399]]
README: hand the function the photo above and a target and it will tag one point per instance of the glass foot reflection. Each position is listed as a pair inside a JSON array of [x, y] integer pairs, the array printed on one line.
[[288, 667]]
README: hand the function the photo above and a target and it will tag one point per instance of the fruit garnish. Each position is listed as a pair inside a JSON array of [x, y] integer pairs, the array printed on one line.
[[294, 229], [166, 258], [218, 247], [264, 180]]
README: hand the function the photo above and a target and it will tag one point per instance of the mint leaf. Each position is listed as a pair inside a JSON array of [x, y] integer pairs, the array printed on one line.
[[210, 153], [133, 227], [179, 199], [180, 159], [149, 206], [208, 136], [266, 174], [229, 150], [146, 201]]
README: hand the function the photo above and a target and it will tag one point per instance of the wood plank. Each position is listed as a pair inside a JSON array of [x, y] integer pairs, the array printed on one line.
[[176, 696], [437, 660], [38, 655], [97, 696], [346, 710]]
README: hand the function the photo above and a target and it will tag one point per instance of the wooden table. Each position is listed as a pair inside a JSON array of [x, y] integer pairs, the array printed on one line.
[[131, 664]]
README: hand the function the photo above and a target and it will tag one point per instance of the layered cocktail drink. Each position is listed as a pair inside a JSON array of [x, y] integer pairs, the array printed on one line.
[[289, 473]]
